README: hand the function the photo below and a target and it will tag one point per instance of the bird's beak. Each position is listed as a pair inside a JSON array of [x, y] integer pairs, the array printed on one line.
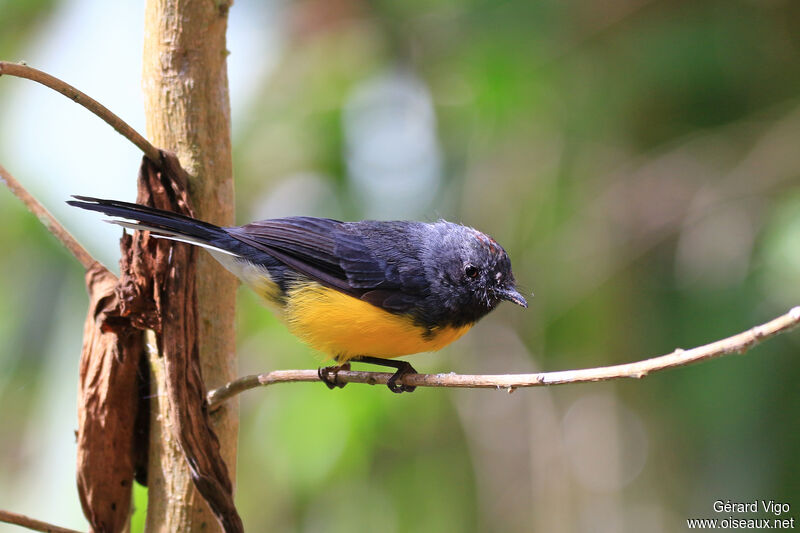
[[512, 295]]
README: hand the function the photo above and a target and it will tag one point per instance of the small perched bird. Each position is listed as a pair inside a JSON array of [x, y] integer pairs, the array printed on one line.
[[356, 291]]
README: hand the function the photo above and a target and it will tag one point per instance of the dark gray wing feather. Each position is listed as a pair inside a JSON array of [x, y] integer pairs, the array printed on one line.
[[336, 254]]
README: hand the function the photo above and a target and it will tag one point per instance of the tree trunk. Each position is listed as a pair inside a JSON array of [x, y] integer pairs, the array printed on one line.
[[187, 110]]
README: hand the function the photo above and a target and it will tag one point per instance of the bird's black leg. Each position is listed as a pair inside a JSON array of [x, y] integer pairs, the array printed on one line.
[[329, 374], [403, 368]]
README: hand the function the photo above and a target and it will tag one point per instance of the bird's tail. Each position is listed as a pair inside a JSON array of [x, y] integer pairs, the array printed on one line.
[[162, 223]]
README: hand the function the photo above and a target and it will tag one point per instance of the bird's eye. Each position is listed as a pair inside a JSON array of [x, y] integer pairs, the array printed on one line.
[[471, 271]]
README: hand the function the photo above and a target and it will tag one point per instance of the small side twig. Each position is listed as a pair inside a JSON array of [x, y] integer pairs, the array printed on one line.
[[123, 128], [36, 525], [739, 343], [49, 221]]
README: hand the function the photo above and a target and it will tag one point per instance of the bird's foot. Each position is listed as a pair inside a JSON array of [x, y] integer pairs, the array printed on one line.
[[329, 375], [403, 368], [394, 386]]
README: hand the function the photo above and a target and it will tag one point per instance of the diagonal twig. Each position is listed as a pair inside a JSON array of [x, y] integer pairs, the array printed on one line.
[[21, 70], [738, 343], [31, 523], [49, 221]]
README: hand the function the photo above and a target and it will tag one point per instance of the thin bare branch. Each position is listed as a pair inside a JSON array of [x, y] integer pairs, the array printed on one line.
[[21, 70], [31, 523], [49, 221], [739, 343]]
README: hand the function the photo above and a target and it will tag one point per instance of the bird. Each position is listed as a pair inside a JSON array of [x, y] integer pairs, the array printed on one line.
[[367, 291]]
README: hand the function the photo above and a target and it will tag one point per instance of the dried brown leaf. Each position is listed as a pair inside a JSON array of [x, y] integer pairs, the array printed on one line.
[[163, 272], [107, 406]]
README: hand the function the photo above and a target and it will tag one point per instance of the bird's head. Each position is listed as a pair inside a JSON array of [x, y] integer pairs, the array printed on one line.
[[473, 273]]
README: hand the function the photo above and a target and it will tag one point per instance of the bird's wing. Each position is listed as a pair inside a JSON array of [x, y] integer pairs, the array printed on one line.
[[331, 253]]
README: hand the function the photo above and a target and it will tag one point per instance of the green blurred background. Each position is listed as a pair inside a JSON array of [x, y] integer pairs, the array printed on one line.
[[639, 160]]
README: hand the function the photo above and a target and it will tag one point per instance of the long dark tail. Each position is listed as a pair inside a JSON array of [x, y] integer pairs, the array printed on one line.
[[164, 223]]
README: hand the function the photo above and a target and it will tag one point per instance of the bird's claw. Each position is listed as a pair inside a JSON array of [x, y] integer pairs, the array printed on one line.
[[396, 387], [329, 375]]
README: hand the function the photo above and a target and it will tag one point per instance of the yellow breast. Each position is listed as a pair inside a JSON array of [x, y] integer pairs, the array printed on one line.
[[345, 327]]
